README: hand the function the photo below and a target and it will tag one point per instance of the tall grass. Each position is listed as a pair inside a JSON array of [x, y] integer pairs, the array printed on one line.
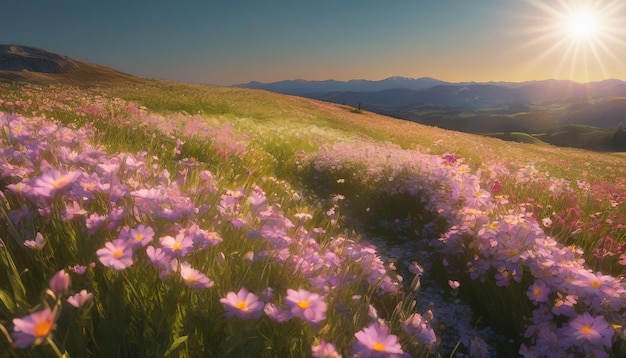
[[272, 193]]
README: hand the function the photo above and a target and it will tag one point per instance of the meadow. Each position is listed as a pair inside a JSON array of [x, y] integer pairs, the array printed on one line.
[[167, 219]]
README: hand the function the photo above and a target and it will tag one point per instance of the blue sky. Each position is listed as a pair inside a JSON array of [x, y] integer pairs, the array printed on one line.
[[236, 41]]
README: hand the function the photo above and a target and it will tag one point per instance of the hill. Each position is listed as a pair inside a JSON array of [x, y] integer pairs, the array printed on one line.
[[35, 65]]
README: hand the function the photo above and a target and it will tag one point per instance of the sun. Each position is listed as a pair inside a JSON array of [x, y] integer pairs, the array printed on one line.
[[578, 37], [583, 24]]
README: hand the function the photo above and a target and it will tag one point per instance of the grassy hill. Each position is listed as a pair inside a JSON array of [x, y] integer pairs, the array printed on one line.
[[333, 221]]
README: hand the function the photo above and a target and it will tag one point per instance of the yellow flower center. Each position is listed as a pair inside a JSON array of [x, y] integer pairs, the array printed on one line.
[[61, 182], [176, 246], [242, 305], [118, 253], [42, 328], [304, 304], [378, 347], [191, 278], [512, 252], [596, 284], [138, 237], [537, 291], [585, 330]]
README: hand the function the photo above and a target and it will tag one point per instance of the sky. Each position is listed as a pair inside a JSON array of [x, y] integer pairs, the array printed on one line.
[[235, 41]]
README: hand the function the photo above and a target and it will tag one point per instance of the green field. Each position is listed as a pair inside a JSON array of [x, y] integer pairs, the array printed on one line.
[[211, 221]]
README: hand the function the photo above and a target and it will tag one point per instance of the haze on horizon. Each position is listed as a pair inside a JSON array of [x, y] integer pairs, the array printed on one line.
[[225, 43]]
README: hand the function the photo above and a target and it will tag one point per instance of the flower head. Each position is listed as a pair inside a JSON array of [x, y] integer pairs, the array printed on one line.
[[375, 341], [34, 328], [36, 244], [306, 305], [242, 304], [116, 254], [59, 282], [194, 278], [277, 314], [179, 246], [324, 350], [80, 299], [53, 182], [140, 235], [590, 332]]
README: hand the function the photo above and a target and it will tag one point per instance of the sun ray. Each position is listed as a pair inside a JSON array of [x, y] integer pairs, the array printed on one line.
[[588, 34]]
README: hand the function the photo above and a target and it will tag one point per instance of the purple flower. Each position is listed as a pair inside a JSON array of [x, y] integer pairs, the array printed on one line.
[[277, 314], [419, 328], [324, 350], [80, 299], [36, 244], [589, 332], [538, 292], [157, 257], [243, 304], [60, 282], [34, 328], [194, 278], [116, 254], [306, 305], [53, 182], [179, 246], [375, 341], [140, 235]]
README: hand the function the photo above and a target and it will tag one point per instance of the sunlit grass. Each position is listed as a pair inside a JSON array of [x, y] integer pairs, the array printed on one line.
[[334, 179]]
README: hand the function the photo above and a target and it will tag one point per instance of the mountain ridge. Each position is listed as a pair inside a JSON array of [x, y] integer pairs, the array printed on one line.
[[31, 64]]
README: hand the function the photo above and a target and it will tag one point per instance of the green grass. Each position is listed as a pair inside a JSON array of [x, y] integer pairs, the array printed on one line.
[[249, 138], [518, 137]]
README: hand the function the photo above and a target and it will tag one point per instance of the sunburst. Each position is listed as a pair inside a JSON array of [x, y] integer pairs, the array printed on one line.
[[586, 34]]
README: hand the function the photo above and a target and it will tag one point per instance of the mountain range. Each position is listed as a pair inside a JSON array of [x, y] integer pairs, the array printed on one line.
[[531, 107], [400, 93]]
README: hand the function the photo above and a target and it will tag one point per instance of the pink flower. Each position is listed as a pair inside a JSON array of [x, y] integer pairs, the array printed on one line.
[[80, 299], [53, 182], [194, 278], [418, 327], [306, 305], [116, 254], [36, 244], [140, 235], [324, 350], [277, 314], [179, 246], [34, 328], [60, 282], [157, 257], [375, 341], [243, 304]]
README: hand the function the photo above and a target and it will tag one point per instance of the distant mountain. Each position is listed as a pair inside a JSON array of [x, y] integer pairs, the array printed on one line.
[[30, 64], [531, 106], [303, 87]]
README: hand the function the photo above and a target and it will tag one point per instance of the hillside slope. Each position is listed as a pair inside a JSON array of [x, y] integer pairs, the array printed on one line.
[[35, 65]]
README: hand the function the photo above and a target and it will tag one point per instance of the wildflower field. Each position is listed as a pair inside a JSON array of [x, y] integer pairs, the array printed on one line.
[[164, 219]]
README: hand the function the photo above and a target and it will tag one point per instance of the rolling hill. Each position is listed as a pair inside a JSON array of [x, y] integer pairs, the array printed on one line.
[[35, 65]]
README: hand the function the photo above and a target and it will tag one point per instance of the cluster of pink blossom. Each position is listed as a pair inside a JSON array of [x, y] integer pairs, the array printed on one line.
[[576, 308], [136, 211]]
